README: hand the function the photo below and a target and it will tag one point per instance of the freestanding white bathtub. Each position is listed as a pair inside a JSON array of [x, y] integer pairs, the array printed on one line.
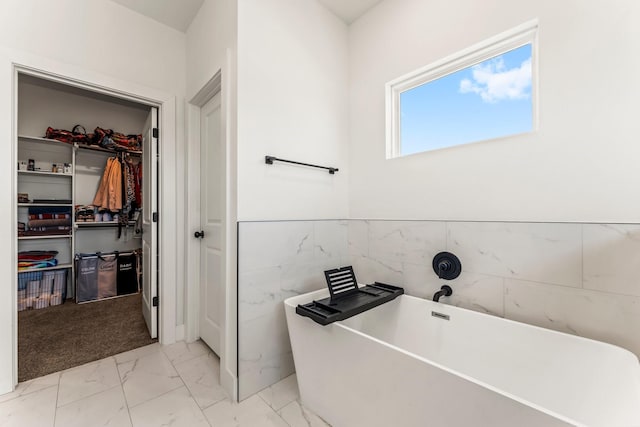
[[399, 365]]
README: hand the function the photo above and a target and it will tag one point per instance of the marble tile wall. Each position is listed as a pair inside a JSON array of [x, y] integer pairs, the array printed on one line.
[[277, 260], [582, 279]]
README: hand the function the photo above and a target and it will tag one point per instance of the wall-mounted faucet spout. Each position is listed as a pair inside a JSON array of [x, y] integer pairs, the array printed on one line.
[[444, 291]]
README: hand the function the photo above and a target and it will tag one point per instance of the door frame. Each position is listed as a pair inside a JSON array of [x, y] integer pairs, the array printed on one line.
[[221, 82], [13, 63]]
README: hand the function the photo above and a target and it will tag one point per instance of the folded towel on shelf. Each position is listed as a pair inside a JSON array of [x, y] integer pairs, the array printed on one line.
[[25, 265], [36, 255]]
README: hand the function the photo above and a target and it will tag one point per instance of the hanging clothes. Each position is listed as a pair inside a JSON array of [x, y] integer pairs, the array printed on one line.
[[138, 184], [109, 195], [129, 184]]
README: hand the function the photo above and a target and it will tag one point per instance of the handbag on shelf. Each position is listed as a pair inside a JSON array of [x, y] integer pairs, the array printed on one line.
[[81, 136], [77, 134], [59, 135], [107, 138]]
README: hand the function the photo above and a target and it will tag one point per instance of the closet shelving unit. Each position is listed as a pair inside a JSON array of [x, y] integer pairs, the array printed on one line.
[[41, 184], [38, 184]]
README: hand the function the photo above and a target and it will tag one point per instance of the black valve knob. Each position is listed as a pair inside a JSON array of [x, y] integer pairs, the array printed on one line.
[[446, 265], [199, 234], [443, 266]]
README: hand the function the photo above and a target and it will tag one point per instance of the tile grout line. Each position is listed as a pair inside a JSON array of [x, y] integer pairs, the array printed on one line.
[[187, 387], [92, 394], [207, 354], [55, 412], [135, 361], [87, 396], [126, 404], [272, 408], [167, 392], [155, 397], [17, 396]]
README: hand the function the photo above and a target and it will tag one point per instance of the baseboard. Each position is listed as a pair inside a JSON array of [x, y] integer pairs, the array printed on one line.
[[179, 333], [6, 387], [229, 382]]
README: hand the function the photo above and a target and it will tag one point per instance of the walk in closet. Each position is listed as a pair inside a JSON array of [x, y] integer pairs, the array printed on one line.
[[84, 246]]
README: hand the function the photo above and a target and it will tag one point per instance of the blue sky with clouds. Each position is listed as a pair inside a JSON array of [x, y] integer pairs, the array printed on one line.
[[488, 100]]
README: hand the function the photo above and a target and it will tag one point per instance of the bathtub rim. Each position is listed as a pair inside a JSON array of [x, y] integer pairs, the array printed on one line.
[[292, 302]]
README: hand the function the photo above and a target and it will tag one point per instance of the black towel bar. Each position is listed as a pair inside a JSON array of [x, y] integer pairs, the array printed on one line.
[[270, 159]]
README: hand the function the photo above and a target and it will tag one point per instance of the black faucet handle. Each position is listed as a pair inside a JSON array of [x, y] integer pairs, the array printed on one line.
[[443, 267], [446, 265]]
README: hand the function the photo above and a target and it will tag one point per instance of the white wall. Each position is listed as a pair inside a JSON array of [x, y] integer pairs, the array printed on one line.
[[98, 38], [581, 165], [292, 104], [98, 35], [212, 32], [211, 46], [43, 103]]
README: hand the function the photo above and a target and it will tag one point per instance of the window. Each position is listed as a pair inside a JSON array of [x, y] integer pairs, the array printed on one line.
[[484, 92]]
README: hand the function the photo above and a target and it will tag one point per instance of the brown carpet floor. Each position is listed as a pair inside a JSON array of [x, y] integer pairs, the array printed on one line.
[[68, 335]]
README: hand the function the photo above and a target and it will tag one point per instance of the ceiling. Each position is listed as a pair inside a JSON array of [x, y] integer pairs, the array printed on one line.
[[174, 13], [349, 10], [178, 14]]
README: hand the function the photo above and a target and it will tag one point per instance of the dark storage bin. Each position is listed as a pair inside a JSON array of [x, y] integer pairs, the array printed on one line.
[[86, 277], [127, 274], [100, 275], [107, 275]]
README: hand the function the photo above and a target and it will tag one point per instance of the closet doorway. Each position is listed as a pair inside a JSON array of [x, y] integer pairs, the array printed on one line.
[[87, 225]]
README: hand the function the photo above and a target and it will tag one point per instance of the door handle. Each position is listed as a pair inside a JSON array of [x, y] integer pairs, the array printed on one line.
[[199, 234]]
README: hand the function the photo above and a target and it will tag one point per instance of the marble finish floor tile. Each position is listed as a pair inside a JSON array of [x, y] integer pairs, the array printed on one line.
[[175, 409], [143, 388], [137, 353], [32, 386], [104, 409], [182, 351], [148, 377], [281, 393], [252, 412], [296, 415], [202, 377], [36, 409], [86, 380]]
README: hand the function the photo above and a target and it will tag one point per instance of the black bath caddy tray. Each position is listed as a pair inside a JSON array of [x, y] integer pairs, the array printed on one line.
[[347, 299]]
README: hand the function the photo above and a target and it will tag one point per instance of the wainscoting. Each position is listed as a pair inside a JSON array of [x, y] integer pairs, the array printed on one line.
[[582, 279]]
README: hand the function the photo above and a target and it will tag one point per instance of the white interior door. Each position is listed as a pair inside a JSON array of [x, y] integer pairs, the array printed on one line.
[[150, 223], [212, 220]]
